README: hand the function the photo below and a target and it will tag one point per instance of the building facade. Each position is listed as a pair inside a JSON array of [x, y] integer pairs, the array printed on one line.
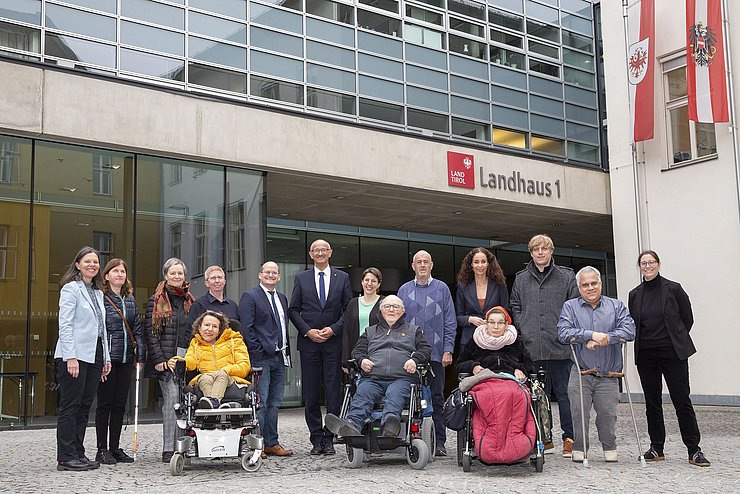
[[236, 131]]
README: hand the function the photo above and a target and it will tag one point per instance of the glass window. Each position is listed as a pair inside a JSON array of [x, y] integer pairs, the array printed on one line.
[[469, 87], [468, 47], [425, 15], [546, 87], [327, 76], [511, 138], [426, 120], [576, 23], [577, 41], [291, 4], [426, 56], [507, 58], [544, 67], [275, 41], [587, 115], [200, 238], [544, 31], [424, 36], [434, 3], [470, 8], [510, 118], [509, 97], [80, 50], [676, 84], [507, 38], [580, 60], [581, 7], [152, 65], [579, 78], [508, 77], [330, 32], [232, 8], [378, 23], [22, 10], [467, 27], [583, 132], [468, 67], [426, 77], [157, 13], [217, 27], [277, 90], [515, 5], [102, 176], [215, 52], [542, 13], [380, 66], [20, 37], [543, 49], [330, 54], [389, 5], [279, 19], [470, 108], [378, 88], [152, 38], [427, 99], [329, 100], [217, 78], [276, 65], [471, 130], [505, 19], [79, 22], [547, 145], [379, 44], [545, 105], [583, 152], [580, 96], [379, 110], [331, 10], [547, 125]]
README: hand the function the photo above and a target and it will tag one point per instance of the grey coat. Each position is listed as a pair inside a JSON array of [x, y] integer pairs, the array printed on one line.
[[535, 308]]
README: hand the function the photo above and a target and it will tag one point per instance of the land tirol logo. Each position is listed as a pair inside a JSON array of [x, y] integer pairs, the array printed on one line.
[[460, 172]]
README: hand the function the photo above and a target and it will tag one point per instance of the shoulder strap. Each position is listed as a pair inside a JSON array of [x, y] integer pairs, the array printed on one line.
[[125, 321]]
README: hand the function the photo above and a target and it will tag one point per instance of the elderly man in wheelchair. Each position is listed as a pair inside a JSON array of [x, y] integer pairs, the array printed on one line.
[[389, 355], [217, 409]]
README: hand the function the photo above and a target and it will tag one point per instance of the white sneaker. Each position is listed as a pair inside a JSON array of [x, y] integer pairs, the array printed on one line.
[[611, 456], [577, 456]]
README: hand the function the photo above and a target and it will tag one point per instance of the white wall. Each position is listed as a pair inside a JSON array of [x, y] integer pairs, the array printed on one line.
[[689, 215]]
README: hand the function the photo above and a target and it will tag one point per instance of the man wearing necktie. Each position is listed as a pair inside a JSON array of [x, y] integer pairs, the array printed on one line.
[[319, 297], [263, 312]]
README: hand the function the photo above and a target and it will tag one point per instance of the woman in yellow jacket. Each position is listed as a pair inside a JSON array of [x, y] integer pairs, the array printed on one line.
[[219, 354]]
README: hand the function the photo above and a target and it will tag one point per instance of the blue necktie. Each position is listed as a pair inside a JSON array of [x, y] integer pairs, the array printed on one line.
[[322, 290], [276, 315]]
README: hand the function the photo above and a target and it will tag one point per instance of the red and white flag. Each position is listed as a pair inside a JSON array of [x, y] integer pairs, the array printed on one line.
[[705, 62], [640, 68]]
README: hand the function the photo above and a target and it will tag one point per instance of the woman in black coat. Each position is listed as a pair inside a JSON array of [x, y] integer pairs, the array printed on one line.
[[495, 346], [480, 283], [663, 318], [127, 348], [361, 312]]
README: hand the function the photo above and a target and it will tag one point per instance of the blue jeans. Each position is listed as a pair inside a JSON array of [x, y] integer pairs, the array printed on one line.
[[271, 389], [370, 391], [558, 375]]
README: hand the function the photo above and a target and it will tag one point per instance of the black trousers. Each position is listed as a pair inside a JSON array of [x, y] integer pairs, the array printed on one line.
[[317, 368], [653, 365], [75, 398], [112, 398]]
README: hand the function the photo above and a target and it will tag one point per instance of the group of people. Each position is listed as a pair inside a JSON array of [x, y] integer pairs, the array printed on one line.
[[101, 338]]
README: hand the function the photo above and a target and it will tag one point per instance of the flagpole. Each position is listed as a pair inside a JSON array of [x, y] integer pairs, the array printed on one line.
[[733, 119]]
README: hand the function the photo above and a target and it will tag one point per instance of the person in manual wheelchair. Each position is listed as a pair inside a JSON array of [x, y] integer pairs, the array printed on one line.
[[389, 354], [219, 354]]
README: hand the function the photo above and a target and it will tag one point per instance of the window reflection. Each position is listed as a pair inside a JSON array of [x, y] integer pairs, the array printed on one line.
[[70, 48], [217, 78], [152, 65], [215, 52]]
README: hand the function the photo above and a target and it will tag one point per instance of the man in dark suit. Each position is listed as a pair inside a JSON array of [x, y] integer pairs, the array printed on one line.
[[320, 295], [263, 312]]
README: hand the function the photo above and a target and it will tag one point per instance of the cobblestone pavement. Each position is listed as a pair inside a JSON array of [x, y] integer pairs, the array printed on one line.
[[27, 464]]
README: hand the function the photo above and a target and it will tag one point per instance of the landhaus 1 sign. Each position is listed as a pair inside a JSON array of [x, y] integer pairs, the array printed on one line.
[[461, 173]]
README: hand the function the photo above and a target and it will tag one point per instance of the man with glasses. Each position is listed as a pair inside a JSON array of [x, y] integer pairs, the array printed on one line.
[[214, 299], [597, 326], [319, 297], [429, 305], [263, 312], [388, 353]]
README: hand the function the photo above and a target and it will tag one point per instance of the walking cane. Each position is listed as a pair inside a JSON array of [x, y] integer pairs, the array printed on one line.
[[136, 414], [580, 391], [640, 456]]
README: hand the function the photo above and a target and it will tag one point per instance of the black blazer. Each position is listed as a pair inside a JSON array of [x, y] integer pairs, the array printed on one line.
[[677, 312], [351, 331], [466, 305], [306, 313], [258, 324]]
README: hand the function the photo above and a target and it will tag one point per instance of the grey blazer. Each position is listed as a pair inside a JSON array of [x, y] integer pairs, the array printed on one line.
[[78, 324]]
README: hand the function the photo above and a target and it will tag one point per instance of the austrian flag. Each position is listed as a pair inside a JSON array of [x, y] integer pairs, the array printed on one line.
[[640, 63], [705, 62]]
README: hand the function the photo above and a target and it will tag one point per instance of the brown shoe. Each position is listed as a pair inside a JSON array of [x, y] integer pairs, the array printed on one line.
[[567, 447], [549, 447], [278, 450]]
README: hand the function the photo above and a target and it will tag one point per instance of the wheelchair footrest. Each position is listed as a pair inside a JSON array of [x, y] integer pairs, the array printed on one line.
[[390, 442]]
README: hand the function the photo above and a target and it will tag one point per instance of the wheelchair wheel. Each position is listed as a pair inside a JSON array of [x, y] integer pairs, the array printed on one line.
[[466, 461], [460, 446], [417, 455], [428, 435], [251, 467], [177, 464], [355, 456], [539, 463]]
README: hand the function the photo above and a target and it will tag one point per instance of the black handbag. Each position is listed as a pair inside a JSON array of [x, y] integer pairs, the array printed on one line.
[[454, 412]]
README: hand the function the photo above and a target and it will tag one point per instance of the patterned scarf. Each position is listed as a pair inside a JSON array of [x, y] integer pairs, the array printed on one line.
[[488, 342], [162, 314]]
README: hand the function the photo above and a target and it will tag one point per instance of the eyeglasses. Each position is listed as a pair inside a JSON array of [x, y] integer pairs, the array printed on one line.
[[216, 278], [496, 323], [320, 251], [392, 307], [647, 263]]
